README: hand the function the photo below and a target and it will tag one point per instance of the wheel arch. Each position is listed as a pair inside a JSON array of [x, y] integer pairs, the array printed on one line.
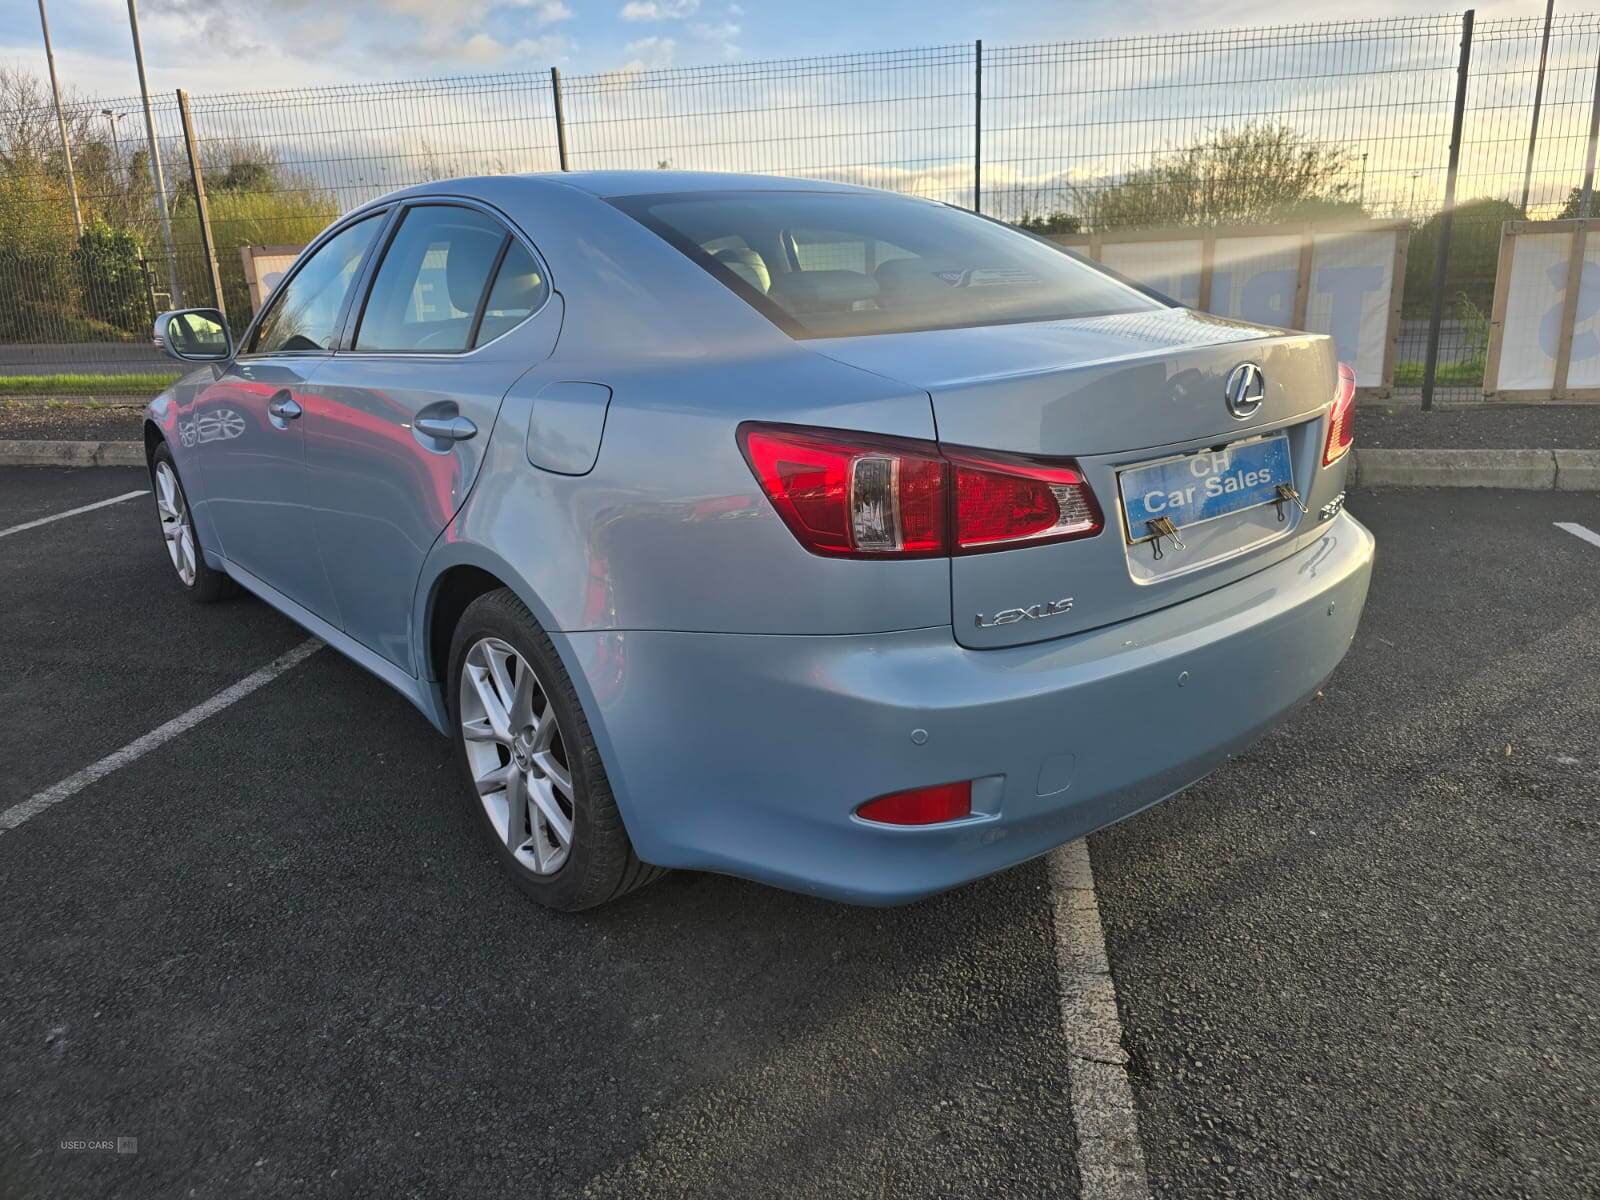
[[153, 437], [455, 574]]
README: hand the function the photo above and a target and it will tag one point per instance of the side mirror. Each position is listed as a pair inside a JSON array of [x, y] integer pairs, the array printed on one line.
[[194, 335]]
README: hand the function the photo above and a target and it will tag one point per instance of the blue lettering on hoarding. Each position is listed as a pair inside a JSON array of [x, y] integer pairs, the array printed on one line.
[[1347, 289], [1268, 297], [1585, 345]]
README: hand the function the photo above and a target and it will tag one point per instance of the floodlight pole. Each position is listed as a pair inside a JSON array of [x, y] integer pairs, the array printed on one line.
[[155, 160], [61, 121], [1538, 99]]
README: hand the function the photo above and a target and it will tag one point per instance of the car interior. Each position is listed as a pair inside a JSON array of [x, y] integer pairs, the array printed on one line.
[[823, 264]]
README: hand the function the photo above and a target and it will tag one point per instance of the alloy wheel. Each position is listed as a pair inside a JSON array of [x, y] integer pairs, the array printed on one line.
[[175, 525], [516, 755]]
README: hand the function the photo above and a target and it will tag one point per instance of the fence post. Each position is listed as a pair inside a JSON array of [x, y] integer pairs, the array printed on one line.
[[202, 209], [977, 127], [561, 117], [1586, 198], [1442, 258], [1538, 99]]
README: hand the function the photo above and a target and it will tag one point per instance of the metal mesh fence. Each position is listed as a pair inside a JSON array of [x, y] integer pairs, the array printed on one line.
[[1250, 126], [900, 119]]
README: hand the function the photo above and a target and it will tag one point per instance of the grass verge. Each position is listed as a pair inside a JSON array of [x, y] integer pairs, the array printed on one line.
[[1452, 374], [85, 385]]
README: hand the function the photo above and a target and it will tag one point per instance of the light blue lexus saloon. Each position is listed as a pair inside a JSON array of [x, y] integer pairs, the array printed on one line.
[[836, 539]]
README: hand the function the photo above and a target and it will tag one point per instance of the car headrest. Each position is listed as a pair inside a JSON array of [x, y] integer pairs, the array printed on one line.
[[747, 265], [513, 293], [822, 291], [470, 251]]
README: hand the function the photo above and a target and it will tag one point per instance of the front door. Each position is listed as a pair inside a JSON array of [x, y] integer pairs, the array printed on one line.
[[250, 433], [398, 423]]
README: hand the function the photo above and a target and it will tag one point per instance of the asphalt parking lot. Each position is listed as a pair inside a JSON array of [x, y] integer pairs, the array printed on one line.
[[1360, 960]]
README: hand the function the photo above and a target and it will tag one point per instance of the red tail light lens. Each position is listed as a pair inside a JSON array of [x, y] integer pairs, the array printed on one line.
[[920, 806], [858, 496], [1002, 502], [1341, 417]]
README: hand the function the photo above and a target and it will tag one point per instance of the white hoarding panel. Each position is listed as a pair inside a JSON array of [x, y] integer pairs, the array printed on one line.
[[1584, 371], [1253, 278], [1352, 282], [265, 267], [1172, 268], [1531, 334]]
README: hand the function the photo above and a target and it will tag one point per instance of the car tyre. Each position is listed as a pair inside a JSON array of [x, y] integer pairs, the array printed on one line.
[[535, 782], [203, 584]]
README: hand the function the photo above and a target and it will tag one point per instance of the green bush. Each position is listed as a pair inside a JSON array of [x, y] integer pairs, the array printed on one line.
[[1059, 221], [111, 283], [38, 286], [1474, 255], [290, 217]]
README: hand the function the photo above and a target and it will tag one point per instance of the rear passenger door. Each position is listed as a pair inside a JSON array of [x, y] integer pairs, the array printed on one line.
[[398, 420]]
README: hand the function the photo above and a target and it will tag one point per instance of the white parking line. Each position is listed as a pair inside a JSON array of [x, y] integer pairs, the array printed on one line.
[[1110, 1159], [1579, 531], [72, 512], [73, 784]]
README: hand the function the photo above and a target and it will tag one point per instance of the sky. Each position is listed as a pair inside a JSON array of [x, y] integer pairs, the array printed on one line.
[[232, 45]]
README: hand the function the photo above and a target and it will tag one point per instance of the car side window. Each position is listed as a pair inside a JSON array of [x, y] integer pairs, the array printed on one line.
[[519, 291], [432, 283], [305, 315]]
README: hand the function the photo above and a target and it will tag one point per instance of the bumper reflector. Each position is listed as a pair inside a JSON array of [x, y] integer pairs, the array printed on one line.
[[920, 806]]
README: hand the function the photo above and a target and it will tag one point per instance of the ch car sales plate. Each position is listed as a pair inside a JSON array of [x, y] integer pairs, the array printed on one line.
[[1204, 486]]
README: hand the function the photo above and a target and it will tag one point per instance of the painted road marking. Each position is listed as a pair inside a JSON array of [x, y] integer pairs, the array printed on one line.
[[73, 784], [72, 512], [1579, 531], [1110, 1159]]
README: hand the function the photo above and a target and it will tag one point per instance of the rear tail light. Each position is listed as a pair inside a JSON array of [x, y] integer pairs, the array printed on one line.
[[1341, 417], [1004, 502], [857, 496], [920, 806]]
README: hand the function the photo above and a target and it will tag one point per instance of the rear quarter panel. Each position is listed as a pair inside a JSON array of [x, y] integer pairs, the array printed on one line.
[[670, 529]]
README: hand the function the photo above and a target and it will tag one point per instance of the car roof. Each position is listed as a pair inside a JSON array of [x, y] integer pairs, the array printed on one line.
[[633, 183], [608, 184]]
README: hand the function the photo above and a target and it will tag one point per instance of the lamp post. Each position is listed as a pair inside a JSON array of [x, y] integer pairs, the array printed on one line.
[[155, 159], [116, 138], [61, 121]]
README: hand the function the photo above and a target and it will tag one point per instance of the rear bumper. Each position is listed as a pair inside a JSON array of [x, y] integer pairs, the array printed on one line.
[[748, 754]]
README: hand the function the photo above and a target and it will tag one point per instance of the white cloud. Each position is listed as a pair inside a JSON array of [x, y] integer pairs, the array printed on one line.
[[480, 49], [650, 54], [658, 10], [551, 11]]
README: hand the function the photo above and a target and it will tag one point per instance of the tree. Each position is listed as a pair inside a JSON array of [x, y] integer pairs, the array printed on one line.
[[1474, 255], [1254, 174], [1059, 221], [1574, 202]]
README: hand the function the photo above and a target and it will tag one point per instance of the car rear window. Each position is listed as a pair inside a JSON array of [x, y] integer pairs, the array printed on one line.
[[836, 264]]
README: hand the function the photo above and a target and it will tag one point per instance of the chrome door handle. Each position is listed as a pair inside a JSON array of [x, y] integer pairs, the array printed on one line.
[[284, 406], [445, 429]]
